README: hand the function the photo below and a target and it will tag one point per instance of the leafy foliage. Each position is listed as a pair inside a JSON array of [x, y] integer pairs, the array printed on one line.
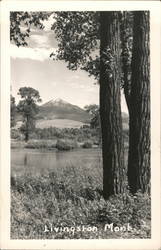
[[78, 40], [79, 134], [87, 144], [65, 145], [93, 110], [78, 35], [28, 108], [21, 24], [82, 51], [41, 144]]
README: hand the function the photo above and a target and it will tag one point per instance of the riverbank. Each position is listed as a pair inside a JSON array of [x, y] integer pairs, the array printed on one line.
[[67, 203], [59, 144]]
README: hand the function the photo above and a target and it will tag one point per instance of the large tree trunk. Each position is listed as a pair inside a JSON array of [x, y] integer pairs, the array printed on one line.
[[139, 126], [110, 109]]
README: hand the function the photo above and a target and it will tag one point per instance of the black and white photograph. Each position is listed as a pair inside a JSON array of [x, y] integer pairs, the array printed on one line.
[[80, 124]]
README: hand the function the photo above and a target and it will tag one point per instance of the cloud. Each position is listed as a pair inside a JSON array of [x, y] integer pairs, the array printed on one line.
[[92, 89], [75, 77], [38, 54], [75, 85], [40, 41], [87, 87], [48, 23], [40, 38]]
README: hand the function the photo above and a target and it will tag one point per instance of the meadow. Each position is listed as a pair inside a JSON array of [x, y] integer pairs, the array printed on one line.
[[59, 123], [66, 202], [69, 198]]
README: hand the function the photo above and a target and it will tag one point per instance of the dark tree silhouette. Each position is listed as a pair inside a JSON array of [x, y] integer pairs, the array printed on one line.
[[13, 111], [28, 108], [139, 134], [110, 110]]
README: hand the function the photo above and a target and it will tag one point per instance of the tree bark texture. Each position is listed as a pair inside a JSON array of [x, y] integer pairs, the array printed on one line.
[[139, 125], [110, 109]]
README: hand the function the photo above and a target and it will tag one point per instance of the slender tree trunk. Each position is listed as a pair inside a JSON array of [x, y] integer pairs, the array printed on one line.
[[110, 109], [27, 129], [139, 126], [26, 137]]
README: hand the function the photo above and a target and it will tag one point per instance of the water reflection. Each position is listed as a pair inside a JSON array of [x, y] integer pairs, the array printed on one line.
[[25, 160], [34, 161]]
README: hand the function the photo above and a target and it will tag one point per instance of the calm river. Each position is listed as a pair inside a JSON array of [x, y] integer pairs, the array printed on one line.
[[41, 161]]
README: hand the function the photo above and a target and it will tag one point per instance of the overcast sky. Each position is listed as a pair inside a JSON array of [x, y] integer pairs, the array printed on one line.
[[31, 66]]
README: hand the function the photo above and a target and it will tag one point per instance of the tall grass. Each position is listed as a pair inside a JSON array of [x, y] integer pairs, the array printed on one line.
[[71, 197]]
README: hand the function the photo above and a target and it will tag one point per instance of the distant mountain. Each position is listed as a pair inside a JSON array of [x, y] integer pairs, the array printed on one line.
[[60, 109], [60, 113]]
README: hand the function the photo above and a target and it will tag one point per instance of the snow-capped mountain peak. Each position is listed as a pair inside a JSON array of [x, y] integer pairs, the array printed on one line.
[[56, 102], [60, 109]]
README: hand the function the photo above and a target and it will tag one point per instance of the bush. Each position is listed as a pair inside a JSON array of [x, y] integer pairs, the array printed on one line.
[[15, 134], [87, 144], [78, 134], [66, 144], [40, 144]]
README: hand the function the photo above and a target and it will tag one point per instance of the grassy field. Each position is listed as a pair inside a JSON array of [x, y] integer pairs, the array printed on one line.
[[59, 123], [68, 204]]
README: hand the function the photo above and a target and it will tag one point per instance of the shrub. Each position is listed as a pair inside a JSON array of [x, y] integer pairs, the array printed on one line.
[[66, 144], [87, 144], [15, 134], [79, 134], [40, 144]]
